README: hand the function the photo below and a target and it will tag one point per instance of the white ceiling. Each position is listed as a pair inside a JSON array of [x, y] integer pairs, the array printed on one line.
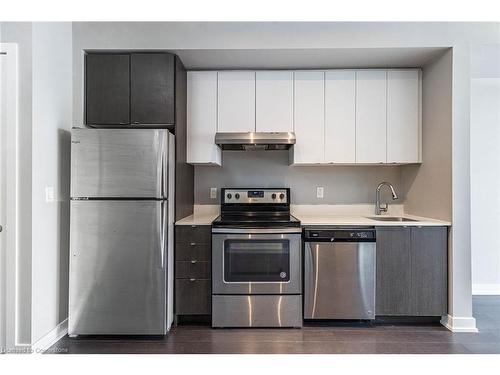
[[307, 58]]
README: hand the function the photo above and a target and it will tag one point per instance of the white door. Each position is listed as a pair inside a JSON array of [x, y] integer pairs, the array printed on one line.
[[8, 195], [371, 100], [403, 116], [236, 101], [274, 101], [202, 118], [340, 116], [309, 113]]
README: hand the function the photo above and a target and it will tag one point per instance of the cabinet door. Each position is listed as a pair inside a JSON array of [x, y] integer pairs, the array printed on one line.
[[309, 113], [393, 284], [236, 103], [429, 265], [274, 101], [202, 118], [371, 117], [403, 116], [152, 88], [107, 89], [193, 297], [340, 116]]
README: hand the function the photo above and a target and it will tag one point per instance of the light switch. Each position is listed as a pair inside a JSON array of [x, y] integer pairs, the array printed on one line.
[[49, 194], [213, 193], [319, 192]]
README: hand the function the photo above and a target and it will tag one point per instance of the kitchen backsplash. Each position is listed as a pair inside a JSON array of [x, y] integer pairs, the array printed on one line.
[[342, 184]]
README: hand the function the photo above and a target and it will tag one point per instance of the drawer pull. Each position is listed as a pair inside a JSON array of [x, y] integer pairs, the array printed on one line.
[[192, 280], [193, 261], [193, 226], [192, 244]]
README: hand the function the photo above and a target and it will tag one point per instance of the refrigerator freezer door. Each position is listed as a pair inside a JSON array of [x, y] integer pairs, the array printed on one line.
[[117, 267], [118, 163]]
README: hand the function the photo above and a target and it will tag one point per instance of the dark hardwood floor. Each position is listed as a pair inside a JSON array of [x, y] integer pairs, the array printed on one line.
[[418, 339]]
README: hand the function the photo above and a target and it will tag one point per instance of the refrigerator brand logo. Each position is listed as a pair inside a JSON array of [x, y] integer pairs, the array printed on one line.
[[75, 141]]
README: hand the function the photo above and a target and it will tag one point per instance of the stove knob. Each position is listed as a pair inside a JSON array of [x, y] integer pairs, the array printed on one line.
[[237, 196], [229, 196], [273, 196], [282, 196]]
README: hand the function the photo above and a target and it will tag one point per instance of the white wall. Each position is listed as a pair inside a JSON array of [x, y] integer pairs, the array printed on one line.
[[52, 121], [485, 169], [45, 113], [21, 33], [428, 186]]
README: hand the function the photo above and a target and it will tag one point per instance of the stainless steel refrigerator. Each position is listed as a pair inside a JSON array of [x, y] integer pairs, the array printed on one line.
[[121, 244]]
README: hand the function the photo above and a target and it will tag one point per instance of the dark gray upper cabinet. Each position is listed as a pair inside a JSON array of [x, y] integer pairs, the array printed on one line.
[[412, 266], [152, 88], [107, 89], [429, 276], [130, 89], [393, 277]]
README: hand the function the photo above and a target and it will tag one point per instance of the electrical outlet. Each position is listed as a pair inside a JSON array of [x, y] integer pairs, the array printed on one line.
[[213, 193], [49, 194], [319, 192]]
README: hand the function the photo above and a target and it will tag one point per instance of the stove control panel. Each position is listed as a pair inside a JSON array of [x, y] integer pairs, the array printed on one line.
[[258, 196]]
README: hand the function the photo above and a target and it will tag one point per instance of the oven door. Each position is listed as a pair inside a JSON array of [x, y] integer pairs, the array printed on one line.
[[256, 261]]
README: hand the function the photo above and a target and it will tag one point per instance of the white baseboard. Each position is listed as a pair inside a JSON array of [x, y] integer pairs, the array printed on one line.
[[486, 289], [50, 338], [459, 324]]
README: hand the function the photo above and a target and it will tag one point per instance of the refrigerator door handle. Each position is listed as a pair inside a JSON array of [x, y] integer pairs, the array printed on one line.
[[160, 219], [164, 163], [159, 163]]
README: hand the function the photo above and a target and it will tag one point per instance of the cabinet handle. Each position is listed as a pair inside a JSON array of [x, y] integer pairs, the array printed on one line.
[[191, 280], [193, 226], [193, 261], [192, 243]]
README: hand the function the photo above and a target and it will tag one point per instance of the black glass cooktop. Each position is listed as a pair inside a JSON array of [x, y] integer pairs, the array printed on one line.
[[258, 221]]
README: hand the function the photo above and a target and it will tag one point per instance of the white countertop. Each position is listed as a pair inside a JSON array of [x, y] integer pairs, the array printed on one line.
[[198, 219], [357, 220], [321, 215]]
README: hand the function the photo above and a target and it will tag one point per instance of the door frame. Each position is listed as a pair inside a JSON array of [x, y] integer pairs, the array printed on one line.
[[9, 127]]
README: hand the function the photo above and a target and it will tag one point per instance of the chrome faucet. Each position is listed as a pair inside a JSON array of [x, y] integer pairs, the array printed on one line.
[[383, 208]]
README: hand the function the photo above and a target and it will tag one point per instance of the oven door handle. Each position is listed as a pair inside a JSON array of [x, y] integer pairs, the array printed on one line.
[[257, 230]]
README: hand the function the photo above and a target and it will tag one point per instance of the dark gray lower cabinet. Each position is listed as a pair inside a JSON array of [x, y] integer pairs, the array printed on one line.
[[429, 276], [193, 297], [412, 268], [393, 282], [193, 270]]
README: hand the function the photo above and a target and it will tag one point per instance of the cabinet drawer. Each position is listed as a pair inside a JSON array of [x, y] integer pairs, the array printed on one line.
[[193, 297], [193, 251], [193, 270], [193, 233]]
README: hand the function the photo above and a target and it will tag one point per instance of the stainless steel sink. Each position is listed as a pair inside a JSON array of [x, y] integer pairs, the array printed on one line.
[[389, 218]]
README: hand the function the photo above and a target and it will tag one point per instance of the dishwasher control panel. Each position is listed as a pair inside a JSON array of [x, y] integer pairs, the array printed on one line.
[[340, 235]]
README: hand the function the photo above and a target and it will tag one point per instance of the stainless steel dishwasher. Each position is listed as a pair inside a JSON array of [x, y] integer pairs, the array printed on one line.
[[339, 270]]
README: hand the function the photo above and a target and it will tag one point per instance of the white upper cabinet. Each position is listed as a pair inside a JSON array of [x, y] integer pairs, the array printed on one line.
[[340, 116], [274, 101], [202, 118], [236, 104], [371, 116], [403, 116], [309, 114]]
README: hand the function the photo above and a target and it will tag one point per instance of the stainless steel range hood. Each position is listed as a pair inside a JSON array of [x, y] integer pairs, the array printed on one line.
[[252, 141]]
